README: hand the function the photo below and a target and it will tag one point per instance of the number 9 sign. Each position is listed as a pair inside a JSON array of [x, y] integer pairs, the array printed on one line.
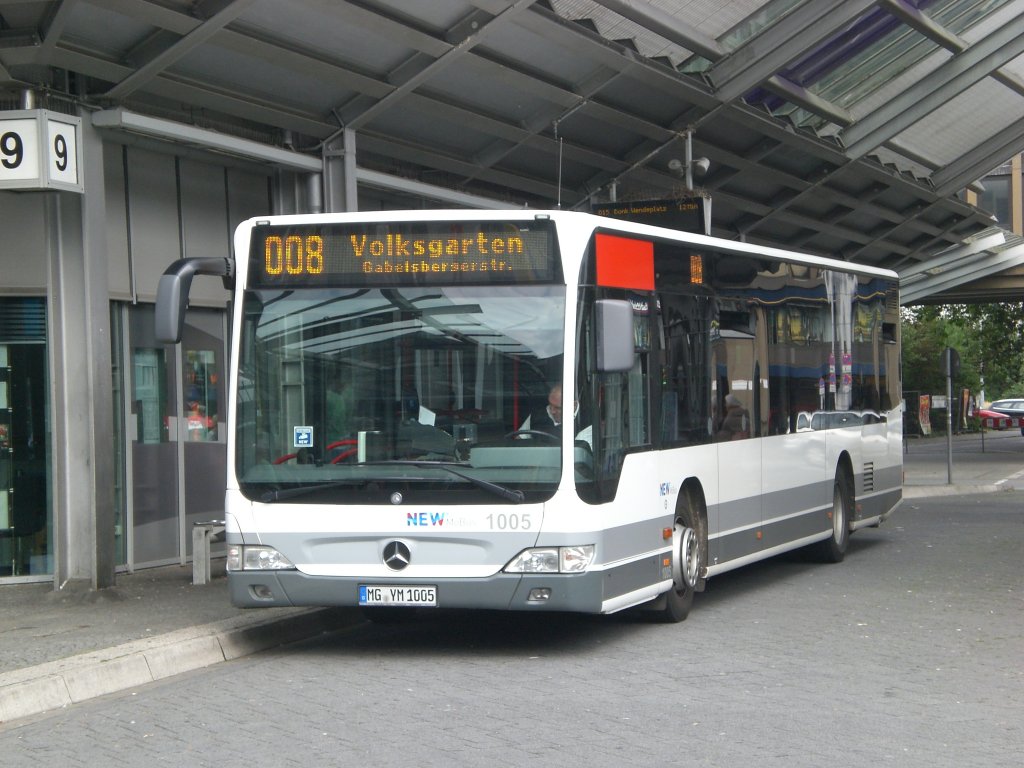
[[39, 150]]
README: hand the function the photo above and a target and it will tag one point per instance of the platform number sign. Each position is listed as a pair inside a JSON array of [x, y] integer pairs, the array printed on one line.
[[39, 150]]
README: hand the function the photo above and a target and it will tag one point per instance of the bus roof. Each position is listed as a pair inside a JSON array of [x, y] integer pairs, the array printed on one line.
[[589, 221]]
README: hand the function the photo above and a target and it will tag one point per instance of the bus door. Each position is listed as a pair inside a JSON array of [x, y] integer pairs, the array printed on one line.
[[735, 405]]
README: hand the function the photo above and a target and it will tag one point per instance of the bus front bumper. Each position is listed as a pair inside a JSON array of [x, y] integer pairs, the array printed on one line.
[[589, 592]]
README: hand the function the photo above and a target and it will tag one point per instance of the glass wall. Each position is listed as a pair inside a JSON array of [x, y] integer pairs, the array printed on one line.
[[171, 464], [153, 428], [26, 538]]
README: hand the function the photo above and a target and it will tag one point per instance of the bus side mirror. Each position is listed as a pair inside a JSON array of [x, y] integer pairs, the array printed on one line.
[[171, 300], [172, 293], [614, 335]]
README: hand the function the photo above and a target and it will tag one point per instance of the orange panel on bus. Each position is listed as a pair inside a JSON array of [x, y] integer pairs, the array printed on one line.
[[623, 262]]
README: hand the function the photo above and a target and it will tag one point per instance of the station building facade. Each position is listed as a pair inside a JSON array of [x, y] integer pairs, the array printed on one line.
[[111, 444]]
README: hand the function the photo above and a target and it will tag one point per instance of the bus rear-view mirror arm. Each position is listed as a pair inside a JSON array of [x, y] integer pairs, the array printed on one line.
[[172, 293], [615, 348]]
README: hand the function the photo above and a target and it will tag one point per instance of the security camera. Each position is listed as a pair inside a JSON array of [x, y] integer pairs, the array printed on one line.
[[700, 166], [676, 166]]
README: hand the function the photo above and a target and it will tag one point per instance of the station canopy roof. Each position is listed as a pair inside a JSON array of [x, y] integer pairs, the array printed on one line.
[[845, 129]]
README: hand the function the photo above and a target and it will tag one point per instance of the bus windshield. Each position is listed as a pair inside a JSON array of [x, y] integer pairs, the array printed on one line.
[[360, 394]]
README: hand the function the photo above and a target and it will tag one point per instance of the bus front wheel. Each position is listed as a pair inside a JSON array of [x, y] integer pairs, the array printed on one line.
[[687, 565]]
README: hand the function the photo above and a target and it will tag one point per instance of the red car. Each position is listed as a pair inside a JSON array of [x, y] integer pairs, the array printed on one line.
[[999, 420]]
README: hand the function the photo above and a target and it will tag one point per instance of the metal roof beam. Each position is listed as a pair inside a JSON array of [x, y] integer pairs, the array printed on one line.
[[206, 29], [754, 62], [239, 39], [913, 219], [54, 24], [444, 60], [457, 166], [432, 191], [575, 37], [761, 122], [964, 170], [754, 119], [203, 95], [968, 272], [927, 26], [936, 89], [214, 141], [761, 211], [804, 99], [673, 29], [1004, 286], [954, 254]]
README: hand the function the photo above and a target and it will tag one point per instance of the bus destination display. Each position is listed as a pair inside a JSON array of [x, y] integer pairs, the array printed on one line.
[[402, 253]]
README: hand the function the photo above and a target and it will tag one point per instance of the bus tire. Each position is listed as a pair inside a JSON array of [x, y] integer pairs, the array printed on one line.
[[688, 549], [833, 549]]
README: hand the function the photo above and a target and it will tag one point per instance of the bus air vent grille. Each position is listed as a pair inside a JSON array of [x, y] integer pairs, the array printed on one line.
[[869, 477]]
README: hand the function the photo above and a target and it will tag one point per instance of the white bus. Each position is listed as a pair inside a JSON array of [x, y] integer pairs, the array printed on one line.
[[723, 403]]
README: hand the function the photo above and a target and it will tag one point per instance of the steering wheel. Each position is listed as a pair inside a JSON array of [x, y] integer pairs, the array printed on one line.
[[345, 454], [532, 433], [301, 456]]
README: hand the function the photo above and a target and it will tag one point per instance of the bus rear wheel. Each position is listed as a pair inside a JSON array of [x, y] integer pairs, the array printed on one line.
[[833, 549]]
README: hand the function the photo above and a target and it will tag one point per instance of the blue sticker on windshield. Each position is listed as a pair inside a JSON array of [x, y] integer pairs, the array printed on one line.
[[302, 437]]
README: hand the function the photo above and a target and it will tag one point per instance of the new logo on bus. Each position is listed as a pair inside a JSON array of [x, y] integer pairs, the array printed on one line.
[[424, 519]]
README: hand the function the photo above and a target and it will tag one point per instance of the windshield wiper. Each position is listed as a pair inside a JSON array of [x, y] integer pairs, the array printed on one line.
[[280, 494], [515, 496]]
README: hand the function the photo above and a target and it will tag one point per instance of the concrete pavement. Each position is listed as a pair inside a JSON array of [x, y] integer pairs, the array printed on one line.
[[58, 648]]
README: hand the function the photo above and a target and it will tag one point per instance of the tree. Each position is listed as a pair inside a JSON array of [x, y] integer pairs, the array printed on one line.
[[998, 334], [989, 338]]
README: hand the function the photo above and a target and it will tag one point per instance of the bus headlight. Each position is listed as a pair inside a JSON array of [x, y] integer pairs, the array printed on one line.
[[575, 559], [552, 560], [242, 558]]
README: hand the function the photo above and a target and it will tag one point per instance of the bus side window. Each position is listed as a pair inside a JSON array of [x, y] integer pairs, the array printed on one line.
[[684, 376]]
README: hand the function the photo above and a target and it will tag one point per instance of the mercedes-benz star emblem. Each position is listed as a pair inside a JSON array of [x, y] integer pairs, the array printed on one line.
[[396, 556]]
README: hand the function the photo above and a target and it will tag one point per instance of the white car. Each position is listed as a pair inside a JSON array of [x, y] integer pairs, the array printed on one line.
[[1012, 406]]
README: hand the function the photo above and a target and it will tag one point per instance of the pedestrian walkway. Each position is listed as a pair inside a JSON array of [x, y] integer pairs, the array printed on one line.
[[981, 463], [62, 647]]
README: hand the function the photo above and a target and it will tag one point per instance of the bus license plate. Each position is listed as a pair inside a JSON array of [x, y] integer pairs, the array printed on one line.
[[389, 594]]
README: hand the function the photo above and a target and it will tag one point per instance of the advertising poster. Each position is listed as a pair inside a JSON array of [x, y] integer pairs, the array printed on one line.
[[924, 414]]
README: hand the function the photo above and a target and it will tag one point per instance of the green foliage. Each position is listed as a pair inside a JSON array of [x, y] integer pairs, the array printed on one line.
[[989, 338]]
